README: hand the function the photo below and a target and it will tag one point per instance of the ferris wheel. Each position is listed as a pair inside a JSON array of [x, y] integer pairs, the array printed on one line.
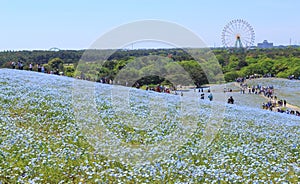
[[238, 34]]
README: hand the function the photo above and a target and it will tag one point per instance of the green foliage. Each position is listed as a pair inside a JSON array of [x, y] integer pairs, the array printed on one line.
[[196, 72], [282, 74], [69, 70], [56, 64], [151, 80], [47, 67], [231, 76], [38, 57], [221, 59], [296, 71], [95, 64], [232, 64]]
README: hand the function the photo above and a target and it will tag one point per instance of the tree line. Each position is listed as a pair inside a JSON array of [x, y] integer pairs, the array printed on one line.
[[200, 65]]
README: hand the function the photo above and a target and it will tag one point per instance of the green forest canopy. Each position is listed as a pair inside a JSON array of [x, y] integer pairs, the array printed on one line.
[[95, 64]]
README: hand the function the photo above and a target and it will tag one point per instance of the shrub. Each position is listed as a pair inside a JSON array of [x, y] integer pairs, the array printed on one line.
[[231, 76]]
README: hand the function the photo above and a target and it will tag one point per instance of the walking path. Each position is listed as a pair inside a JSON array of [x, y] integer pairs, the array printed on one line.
[[290, 106]]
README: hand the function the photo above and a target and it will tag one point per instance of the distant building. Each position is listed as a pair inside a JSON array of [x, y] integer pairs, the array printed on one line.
[[265, 45]]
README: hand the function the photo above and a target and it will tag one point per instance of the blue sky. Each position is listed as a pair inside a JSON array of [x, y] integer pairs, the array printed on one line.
[[71, 24]]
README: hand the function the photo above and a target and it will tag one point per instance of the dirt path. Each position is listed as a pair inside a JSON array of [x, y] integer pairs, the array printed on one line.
[[293, 107]]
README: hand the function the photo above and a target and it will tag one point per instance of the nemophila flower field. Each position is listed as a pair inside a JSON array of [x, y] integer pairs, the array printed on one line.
[[43, 140]]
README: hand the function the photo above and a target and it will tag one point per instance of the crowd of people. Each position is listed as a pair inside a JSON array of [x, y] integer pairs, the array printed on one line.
[[19, 65], [173, 90], [293, 77], [273, 103], [267, 91], [202, 95], [281, 106], [161, 89], [39, 68]]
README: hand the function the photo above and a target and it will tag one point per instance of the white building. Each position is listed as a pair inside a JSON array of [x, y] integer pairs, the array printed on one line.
[[265, 45]]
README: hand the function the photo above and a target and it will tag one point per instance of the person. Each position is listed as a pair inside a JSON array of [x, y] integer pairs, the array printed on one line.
[[210, 97], [157, 89], [230, 100], [21, 65], [43, 69], [30, 66], [39, 67], [181, 93], [264, 106], [202, 96], [13, 65], [56, 72], [284, 103]]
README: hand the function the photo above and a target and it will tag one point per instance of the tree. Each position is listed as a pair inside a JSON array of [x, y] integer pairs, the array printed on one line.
[[196, 72], [69, 71], [296, 71], [56, 64], [231, 76], [242, 61]]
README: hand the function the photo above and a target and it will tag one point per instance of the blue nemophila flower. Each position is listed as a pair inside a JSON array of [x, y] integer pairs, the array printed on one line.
[[42, 135]]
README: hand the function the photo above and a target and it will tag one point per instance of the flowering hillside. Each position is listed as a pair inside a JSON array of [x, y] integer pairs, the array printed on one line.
[[49, 130]]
